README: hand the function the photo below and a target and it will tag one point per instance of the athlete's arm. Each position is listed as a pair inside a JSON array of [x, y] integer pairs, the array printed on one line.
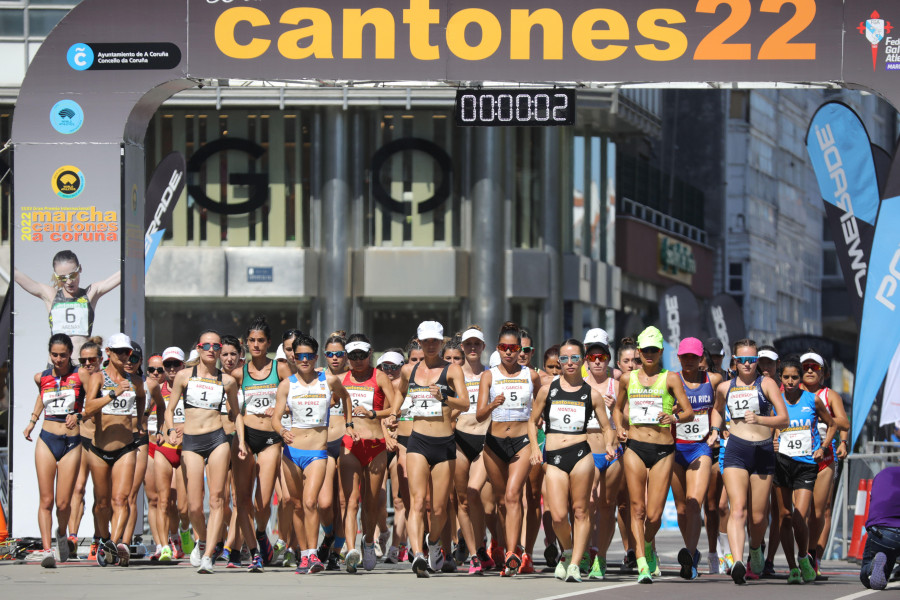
[[717, 414], [94, 403], [457, 382], [100, 288], [280, 404], [825, 417], [38, 409], [140, 399], [598, 403], [780, 419], [39, 290], [685, 412], [537, 411], [233, 407], [382, 381], [619, 410], [174, 397], [157, 400], [485, 406]]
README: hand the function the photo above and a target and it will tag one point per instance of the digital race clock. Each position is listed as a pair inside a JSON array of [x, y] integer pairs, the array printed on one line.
[[515, 107]]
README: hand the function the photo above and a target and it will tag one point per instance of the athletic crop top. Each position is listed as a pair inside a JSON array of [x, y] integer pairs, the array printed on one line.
[[367, 394], [259, 394], [645, 404], [702, 399], [61, 396], [422, 402], [203, 392], [123, 404], [801, 438], [593, 423], [822, 395], [568, 412], [72, 316], [742, 399], [309, 404], [518, 392]]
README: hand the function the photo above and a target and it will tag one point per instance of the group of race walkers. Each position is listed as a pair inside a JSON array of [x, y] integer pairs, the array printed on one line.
[[478, 457]]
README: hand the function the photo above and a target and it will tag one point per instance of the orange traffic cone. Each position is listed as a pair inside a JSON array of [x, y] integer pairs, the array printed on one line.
[[865, 535], [859, 518], [4, 533]]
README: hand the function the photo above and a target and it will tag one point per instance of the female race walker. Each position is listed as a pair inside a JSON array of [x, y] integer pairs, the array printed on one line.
[[756, 408], [649, 395], [435, 388], [505, 395], [57, 454], [565, 406], [205, 451]]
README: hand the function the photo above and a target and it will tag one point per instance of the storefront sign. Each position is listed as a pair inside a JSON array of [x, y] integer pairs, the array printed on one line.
[[676, 259]]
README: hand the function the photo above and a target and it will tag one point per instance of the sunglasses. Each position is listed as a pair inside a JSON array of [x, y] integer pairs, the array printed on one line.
[[121, 351], [358, 355], [390, 367], [134, 358], [509, 347], [650, 350], [156, 370], [595, 356], [812, 367], [335, 353], [745, 360], [89, 360], [206, 346], [70, 277], [305, 356], [172, 364], [527, 349], [574, 358]]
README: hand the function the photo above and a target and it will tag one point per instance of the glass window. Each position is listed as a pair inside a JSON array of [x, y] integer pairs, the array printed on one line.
[[12, 23], [40, 22]]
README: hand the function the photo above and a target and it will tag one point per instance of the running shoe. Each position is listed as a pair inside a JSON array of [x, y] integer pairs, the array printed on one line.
[[487, 563], [527, 567], [475, 566], [560, 571], [435, 554], [302, 566], [187, 543], [62, 546], [315, 565], [352, 560], [512, 562], [256, 563], [497, 553], [124, 555], [196, 556], [878, 578], [686, 562], [217, 551], [598, 569], [165, 554], [644, 575], [206, 565], [92, 553], [225, 555], [551, 553], [728, 561], [393, 555], [178, 548], [573, 574], [265, 547], [585, 563], [155, 556], [332, 563], [449, 565], [327, 543], [714, 563], [768, 569], [279, 546], [288, 558], [807, 570], [45, 557], [629, 562], [112, 553], [696, 565], [816, 563], [420, 566], [369, 559], [403, 555], [757, 560], [100, 555], [794, 577], [738, 573], [751, 575], [382, 542], [652, 562]]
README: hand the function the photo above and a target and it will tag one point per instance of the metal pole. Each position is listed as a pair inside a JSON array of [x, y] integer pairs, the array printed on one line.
[[334, 270]]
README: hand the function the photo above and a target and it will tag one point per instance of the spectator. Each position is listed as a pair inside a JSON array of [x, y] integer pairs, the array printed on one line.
[[883, 528]]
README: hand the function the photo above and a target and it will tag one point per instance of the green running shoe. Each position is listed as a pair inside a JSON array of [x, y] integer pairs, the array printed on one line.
[[585, 563], [652, 559], [598, 570], [806, 569], [757, 560], [794, 578], [187, 542]]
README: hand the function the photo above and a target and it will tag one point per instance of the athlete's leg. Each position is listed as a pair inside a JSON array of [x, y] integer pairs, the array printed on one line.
[[140, 469], [737, 484], [216, 476], [46, 467], [122, 483]]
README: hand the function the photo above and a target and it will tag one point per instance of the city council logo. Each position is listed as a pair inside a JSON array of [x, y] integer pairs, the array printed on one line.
[[80, 57], [66, 116], [67, 182]]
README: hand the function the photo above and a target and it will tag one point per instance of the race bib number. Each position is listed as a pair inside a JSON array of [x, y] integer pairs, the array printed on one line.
[[425, 405], [362, 397], [309, 410], [204, 394], [515, 398], [740, 402], [257, 402], [121, 406], [406, 409], [795, 442], [566, 416], [644, 411], [472, 388], [58, 403], [179, 412], [70, 318], [694, 431], [286, 420], [337, 411]]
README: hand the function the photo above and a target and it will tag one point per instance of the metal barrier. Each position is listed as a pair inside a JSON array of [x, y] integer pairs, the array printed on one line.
[[865, 465]]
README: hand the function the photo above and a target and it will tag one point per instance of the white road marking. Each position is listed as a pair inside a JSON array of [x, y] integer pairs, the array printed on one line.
[[857, 595]]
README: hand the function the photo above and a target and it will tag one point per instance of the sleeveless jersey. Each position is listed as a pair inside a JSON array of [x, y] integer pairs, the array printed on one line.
[[61, 395], [259, 394], [645, 404], [365, 393], [308, 404], [568, 412], [742, 399], [822, 395], [203, 392], [473, 386], [123, 404], [702, 399], [801, 437], [518, 392], [72, 316], [422, 401], [593, 423]]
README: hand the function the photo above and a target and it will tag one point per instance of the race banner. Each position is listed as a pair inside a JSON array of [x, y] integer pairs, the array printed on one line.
[[163, 192], [679, 317], [726, 321]]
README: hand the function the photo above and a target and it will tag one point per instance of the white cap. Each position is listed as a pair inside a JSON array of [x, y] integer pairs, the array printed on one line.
[[495, 359], [194, 355], [808, 356], [768, 354], [279, 354], [358, 345], [472, 333], [430, 330], [596, 336], [173, 352], [119, 340], [391, 357]]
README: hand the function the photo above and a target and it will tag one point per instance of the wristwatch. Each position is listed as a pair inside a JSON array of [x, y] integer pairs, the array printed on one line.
[[349, 424], [112, 394]]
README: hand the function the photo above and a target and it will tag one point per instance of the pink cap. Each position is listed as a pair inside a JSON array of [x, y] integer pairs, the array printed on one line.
[[690, 346]]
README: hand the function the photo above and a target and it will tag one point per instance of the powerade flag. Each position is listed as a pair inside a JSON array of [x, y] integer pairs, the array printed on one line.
[[163, 191], [726, 321], [841, 154], [879, 333]]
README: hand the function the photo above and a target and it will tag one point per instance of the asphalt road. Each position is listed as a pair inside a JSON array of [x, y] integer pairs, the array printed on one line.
[[83, 579]]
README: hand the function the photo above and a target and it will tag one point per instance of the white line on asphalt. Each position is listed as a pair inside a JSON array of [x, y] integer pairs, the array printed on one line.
[[590, 590], [857, 595]]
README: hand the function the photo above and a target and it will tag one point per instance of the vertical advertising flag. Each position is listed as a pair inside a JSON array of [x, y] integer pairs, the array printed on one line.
[[679, 317], [163, 192], [726, 321]]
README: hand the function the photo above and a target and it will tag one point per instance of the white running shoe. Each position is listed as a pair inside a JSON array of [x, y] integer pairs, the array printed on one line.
[[393, 555], [45, 557], [62, 546], [352, 560], [435, 556], [369, 558], [196, 556], [206, 565], [713, 563]]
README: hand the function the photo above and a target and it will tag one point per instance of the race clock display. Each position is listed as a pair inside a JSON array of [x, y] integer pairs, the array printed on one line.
[[515, 107]]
